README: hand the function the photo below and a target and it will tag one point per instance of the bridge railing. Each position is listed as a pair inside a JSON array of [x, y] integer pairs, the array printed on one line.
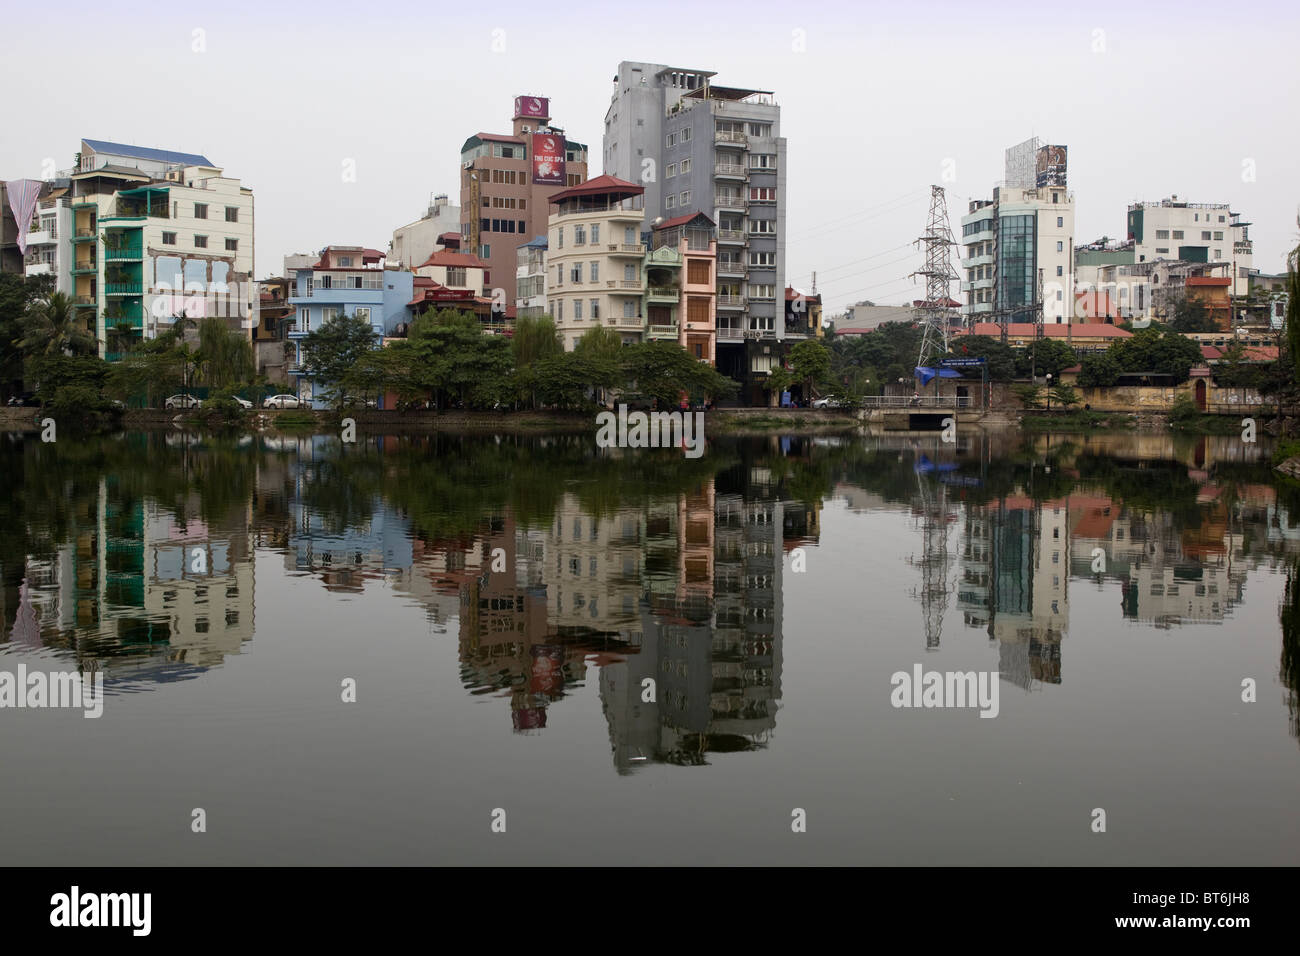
[[919, 401]]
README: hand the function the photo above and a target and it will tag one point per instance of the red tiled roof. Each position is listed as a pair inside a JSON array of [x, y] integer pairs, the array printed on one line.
[[450, 235], [445, 257], [598, 186], [682, 220], [1051, 330], [1251, 353]]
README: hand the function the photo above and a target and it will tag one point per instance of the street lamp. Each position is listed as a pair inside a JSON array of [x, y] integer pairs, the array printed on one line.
[[1049, 391]]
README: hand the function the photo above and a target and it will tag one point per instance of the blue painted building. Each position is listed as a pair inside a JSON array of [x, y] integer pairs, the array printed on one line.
[[348, 280]]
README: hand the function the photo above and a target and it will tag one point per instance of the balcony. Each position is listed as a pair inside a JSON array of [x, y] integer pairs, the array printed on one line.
[[124, 252], [735, 237], [627, 248], [730, 333], [728, 171], [731, 302], [84, 301], [731, 267], [124, 288], [627, 321], [663, 293], [41, 237], [84, 266], [731, 202], [730, 136], [662, 332]]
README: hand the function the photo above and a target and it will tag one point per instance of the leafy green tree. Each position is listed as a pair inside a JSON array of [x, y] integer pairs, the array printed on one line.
[[1000, 359], [1163, 351], [1064, 395], [1031, 396], [1191, 315], [458, 364], [534, 338], [663, 371], [79, 373], [809, 365], [225, 354], [51, 327], [332, 349], [1101, 370], [16, 296], [1048, 357]]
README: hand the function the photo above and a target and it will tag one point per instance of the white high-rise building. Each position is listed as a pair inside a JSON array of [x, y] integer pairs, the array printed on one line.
[[1193, 232]]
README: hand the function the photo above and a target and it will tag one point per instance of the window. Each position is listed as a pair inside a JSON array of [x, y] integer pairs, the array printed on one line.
[[595, 308], [559, 238], [328, 315], [686, 134], [232, 245], [200, 242], [575, 273], [762, 260], [559, 275], [1178, 234], [762, 290], [485, 252], [1218, 253], [1060, 270], [1162, 233], [760, 129], [456, 277], [670, 202], [559, 310], [1221, 219], [685, 198], [629, 273], [629, 235], [200, 210], [579, 235], [1162, 250], [628, 307], [762, 194], [1205, 237], [762, 227], [1060, 222], [1218, 237], [232, 214], [685, 166], [595, 271], [169, 238], [362, 313], [670, 171], [697, 272], [762, 161], [577, 310], [672, 139], [595, 234], [1060, 246]]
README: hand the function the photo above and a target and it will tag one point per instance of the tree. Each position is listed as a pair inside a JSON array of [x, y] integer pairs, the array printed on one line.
[[534, 338], [1162, 351], [1191, 315], [332, 349], [225, 355], [809, 364], [51, 328], [663, 371], [1099, 371], [16, 296], [1047, 357], [1031, 396], [1064, 395], [999, 359]]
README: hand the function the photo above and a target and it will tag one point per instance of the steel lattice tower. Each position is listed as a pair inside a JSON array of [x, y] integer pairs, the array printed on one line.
[[933, 313]]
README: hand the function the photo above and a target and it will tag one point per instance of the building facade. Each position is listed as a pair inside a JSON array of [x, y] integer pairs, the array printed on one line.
[[346, 281], [681, 291], [506, 184], [700, 147], [595, 260], [530, 279], [416, 241], [1205, 233]]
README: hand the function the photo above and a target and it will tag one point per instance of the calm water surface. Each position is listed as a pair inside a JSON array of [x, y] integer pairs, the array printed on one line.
[[500, 604]]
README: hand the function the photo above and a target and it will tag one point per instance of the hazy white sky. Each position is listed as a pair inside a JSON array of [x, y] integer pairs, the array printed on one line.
[[1187, 101]]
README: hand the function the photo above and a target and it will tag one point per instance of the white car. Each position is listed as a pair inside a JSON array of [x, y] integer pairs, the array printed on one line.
[[182, 401], [282, 401], [243, 402], [826, 403]]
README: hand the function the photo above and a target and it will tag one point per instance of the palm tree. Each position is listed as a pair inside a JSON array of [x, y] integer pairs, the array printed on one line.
[[50, 328]]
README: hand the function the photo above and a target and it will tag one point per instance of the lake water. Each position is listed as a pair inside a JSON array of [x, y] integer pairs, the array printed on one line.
[[641, 658]]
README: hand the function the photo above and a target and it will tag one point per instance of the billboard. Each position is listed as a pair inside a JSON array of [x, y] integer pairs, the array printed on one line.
[[1050, 167], [532, 107], [1019, 171], [548, 669], [548, 159]]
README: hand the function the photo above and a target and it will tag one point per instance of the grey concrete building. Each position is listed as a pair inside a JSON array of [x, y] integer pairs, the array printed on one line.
[[697, 146]]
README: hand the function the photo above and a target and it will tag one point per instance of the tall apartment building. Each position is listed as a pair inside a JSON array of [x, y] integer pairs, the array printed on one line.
[[1023, 235], [506, 185], [1193, 232], [49, 240], [594, 260], [167, 233], [530, 279], [698, 146], [681, 293]]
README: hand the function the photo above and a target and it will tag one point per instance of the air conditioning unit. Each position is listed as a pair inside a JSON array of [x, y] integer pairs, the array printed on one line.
[[525, 128]]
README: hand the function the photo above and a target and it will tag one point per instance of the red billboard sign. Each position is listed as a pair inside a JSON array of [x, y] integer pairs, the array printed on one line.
[[532, 107], [548, 159], [548, 669]]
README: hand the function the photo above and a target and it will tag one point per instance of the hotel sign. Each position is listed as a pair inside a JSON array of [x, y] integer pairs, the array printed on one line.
[[532, 107]]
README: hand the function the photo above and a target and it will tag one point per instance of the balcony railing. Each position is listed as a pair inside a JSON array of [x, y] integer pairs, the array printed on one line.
[[664, 330], [731, 202], [84, 265], [636, 248], [84, 300], [729, 267], [630, 284], [83, 234], [916, 401], [663, 292], [124, 288], [731, 302], [126, 252], [626, 321], [729, 169], [730, 332], [731, 235], [729, 136]]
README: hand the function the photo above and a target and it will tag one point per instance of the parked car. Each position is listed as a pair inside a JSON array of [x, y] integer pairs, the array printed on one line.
[[243, 402], [283, 401], [182, 401], [827, 403]]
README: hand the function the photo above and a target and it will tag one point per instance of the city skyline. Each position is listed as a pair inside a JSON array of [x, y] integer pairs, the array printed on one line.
[[885, 158]]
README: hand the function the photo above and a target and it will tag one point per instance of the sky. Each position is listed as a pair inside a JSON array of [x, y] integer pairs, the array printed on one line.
[[878, 102]]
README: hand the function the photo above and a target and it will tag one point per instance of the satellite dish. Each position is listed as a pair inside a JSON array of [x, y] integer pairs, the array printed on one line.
[[658, 219]]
